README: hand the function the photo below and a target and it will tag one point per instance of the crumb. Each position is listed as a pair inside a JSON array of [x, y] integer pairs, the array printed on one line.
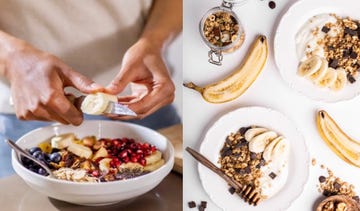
[[313, 162]]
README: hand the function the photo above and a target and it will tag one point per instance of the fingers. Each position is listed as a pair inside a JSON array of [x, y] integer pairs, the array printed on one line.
[[42, 114], [79, 81], [121, 80], [60, 105]]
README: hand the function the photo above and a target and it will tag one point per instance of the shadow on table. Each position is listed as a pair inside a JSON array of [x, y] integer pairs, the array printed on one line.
[[166, 196]]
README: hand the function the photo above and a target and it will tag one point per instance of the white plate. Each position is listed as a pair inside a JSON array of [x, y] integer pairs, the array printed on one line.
[[285, 47], [217, 188]]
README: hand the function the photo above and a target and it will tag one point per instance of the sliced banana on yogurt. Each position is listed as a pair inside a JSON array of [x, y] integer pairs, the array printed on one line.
[[96, 104], [259, 142], [310, 66]]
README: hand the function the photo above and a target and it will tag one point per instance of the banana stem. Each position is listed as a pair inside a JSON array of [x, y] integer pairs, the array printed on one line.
[[193, 86]]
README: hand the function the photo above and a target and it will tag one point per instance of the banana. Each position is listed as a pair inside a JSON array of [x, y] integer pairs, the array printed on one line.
[[131, 166], [321, 72], [104, 165], [269, 149], [329, 78], [80, 150], [96, 104], [281, 149], [153, 158], [338, 141], [340, 81], [62, 141], [102, 152], [239, 81], [155, 165], [309, 66], [251, 133], [259, 142]]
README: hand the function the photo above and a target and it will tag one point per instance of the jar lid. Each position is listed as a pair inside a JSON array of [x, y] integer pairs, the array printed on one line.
[[235, 2]]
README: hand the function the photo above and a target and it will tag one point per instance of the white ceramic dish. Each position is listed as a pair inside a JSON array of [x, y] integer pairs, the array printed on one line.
[[94, 194], [285, 47], [214, 139]]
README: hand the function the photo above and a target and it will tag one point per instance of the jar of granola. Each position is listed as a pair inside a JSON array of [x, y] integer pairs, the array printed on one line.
[[221, 30]]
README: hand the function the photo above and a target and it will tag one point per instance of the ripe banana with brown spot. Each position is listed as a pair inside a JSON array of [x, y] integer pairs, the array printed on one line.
[[239, 81], [339, 142]]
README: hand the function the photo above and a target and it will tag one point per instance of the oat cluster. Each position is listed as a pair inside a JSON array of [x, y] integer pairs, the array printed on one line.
[[239, 163], [332, 185], [221, 29]]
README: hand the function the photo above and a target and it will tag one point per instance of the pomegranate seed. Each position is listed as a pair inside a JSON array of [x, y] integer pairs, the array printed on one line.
[[95, 173], [123, 154], [126, 159], [134, 159], [139, 151], [143, 161]]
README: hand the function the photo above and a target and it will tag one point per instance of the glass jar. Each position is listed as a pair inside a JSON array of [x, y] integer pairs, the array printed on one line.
[[221, 30]]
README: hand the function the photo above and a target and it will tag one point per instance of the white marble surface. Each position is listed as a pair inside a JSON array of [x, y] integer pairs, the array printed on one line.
[[269, 90]]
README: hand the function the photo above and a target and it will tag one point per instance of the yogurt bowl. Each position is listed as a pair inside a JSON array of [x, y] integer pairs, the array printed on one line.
[[102, 193]]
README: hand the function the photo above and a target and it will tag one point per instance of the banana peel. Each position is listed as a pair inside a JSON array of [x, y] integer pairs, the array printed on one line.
[[241, 79], [338, 141]]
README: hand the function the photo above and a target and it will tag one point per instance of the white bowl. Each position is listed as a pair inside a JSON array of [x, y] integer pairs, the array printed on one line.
[[94, 194]]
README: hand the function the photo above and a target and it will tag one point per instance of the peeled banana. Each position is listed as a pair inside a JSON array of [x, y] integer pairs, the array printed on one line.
[[96, 104], [239, 81], [338, 141]]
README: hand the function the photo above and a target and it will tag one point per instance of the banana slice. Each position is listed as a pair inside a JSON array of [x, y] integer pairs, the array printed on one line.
[[340, 80], [104, 165], [153, 158], [96, 104], [259, 142], [62, 141], [102, 152], [131, 166], [269, 149], [329, 78], [310, 66], [321, 72], [80, 150], [251, 133], [281, 150], [154, 166]]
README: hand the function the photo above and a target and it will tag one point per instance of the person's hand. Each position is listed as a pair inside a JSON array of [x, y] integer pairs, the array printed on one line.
[[151, 85], [37, 85]]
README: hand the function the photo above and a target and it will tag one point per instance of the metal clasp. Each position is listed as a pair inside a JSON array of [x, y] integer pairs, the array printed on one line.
[[217, 54]]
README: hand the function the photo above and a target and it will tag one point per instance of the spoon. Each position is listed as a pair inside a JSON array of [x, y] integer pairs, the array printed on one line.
[[22, 152]]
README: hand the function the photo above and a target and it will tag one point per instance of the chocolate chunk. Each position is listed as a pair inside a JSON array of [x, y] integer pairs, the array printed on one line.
[[353, 55], [325, 29], [262, 162], [350, 78], [252, 156], [333, 63], [243, 130], [248, 170], [272, 175], [240, 171], [346, 53], [241, 143], [192, 204], [337, 186], [226, 152], [331, 48], [272, 5], [258, 166], [203, 204], [232, 190], [322, 179], [327, 193], [347, 30], [356, 198]]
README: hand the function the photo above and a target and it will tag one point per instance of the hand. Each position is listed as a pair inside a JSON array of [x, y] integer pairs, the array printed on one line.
[[151, 84], [37, 85]]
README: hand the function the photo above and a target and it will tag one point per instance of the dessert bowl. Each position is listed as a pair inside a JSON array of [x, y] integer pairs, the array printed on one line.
[[95, 194]]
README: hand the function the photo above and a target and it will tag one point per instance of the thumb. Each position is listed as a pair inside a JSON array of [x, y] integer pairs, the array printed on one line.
[[80, 82], [121, 80]]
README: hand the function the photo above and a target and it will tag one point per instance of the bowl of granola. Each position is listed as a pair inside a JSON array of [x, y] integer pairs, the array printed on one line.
[[96, 163]]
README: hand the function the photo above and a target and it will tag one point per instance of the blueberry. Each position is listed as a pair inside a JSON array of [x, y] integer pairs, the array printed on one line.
[[34, 149], [39, 155], [55, 157], [42, 171], [25, 161]]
